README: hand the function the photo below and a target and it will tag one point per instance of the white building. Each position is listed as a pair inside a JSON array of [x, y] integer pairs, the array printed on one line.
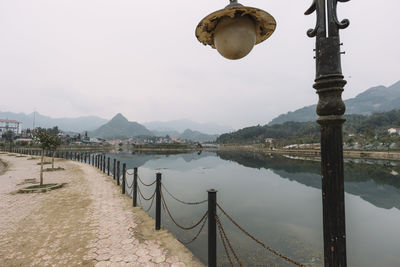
[[10, 125], [394, 130]]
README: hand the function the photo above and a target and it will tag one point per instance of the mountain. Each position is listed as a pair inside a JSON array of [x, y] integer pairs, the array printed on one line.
[[188, 135], [366, 129], [79, 124], [375, 99], [198, 136], [182, 125], [164, 133], [119, 127]]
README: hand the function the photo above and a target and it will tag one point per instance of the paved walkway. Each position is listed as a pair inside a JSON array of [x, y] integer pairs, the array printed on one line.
[[86, 223]]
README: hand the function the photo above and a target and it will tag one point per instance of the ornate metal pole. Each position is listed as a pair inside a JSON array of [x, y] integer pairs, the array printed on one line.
[[329, 84]]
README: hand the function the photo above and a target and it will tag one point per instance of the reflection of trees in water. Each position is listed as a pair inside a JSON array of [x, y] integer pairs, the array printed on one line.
[[139, 158], [374, 181]]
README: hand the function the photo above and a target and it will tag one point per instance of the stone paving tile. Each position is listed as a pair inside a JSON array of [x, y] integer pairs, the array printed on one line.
[[87, 223]]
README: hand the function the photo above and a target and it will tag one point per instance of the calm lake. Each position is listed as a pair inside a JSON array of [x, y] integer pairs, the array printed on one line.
[[278, 200]]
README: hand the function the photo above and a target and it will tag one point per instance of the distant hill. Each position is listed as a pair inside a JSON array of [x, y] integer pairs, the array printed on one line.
[[182, 125], [370, 126], [188, 135], [120, 127], [375, 99], [79, 124], [198, 136]]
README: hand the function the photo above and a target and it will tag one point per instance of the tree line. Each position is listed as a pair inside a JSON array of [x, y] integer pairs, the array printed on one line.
[[361, 129]]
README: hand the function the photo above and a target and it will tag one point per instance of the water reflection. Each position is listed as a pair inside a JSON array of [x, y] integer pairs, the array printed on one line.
[[278, 199], [375, 181]]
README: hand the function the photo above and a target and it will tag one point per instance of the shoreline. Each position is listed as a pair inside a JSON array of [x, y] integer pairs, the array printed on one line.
[[356, 154]]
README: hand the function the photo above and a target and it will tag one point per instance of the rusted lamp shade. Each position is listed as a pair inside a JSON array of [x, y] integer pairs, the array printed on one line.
[[234, 30]]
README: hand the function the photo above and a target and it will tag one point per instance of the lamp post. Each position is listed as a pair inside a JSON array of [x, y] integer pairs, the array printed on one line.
[[227, 25]]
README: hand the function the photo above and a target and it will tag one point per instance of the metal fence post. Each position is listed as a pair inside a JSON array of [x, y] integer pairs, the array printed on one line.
[[123, 177], [114, 168], [158, 201], [212, 228], [108, 166], [118, 173], [134, 195], [104, 163]]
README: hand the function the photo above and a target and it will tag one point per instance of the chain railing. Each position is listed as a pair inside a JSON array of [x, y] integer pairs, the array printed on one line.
[[224, 239], [174, 220], [275, 252], [214, 221], [181, 201], [143, 183]]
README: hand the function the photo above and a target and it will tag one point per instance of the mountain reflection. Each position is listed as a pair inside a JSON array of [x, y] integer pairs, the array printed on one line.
[[374, 181]]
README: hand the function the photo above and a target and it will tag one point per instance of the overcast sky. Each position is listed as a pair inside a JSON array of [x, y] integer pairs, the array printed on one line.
[[69, 58]]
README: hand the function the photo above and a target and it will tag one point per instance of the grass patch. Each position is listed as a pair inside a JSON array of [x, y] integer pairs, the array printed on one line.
[[53, 169], [44, 163], [40, 186], [32, 158], [21, 156]]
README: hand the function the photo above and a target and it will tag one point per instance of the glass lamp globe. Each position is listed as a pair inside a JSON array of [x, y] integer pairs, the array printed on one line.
[[234, 30], [235, 37]]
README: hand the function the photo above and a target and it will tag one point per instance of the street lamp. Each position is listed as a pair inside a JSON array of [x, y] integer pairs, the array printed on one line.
[[234, 30], [329, 84]]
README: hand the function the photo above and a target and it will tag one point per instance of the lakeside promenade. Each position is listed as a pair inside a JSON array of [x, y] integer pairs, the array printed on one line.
[[86, 223]]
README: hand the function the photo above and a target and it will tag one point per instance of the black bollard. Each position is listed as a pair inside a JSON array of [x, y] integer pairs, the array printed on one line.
[[134, 195], [118, 174], [108, 166], [114, 169], [123, 178], [158, 201], [212, 228], [104, 163]]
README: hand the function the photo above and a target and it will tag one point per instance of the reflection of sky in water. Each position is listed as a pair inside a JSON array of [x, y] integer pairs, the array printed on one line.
[[278, 205]]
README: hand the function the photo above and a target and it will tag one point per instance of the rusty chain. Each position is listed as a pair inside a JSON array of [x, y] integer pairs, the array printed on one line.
[[180, 226], [258, 241], [128, 185], [227, 240], [151, 204], [140, 180], [223, 242], [140, 192], [181, 201], [198, 233]]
